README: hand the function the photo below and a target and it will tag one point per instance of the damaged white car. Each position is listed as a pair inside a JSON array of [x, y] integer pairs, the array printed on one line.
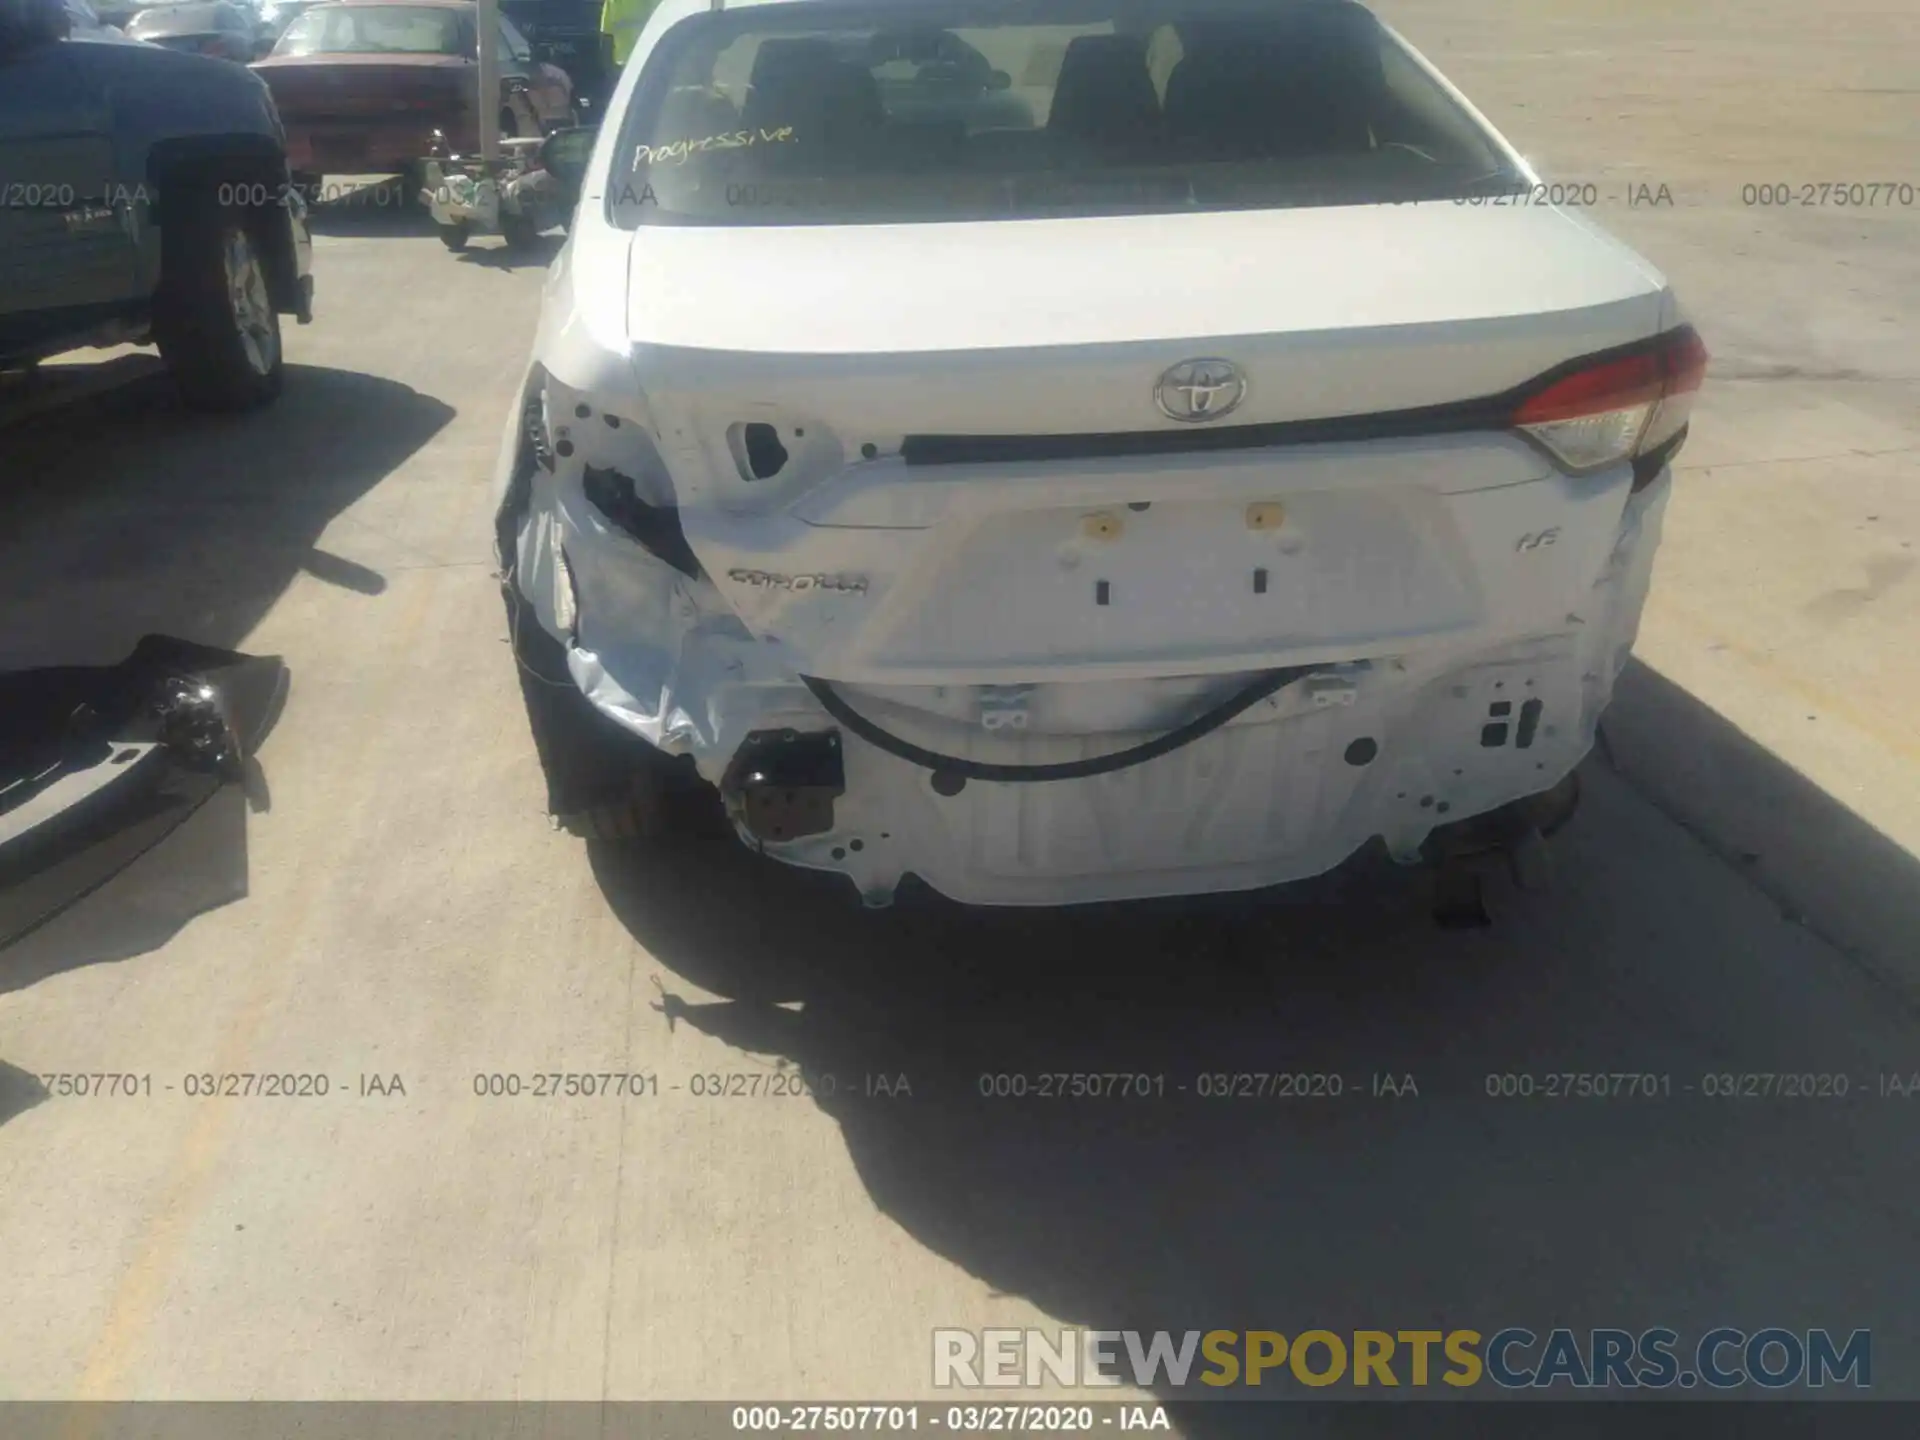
[[1074, 450]]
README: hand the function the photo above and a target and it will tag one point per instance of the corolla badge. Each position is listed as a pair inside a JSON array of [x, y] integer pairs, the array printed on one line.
[[799, 584], [1198, 390]]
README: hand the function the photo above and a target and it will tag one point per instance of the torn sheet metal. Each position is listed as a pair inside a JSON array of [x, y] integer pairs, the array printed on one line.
[[1391, 747]]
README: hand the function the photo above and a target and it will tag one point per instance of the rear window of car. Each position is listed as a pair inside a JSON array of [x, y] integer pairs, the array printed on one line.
[[161, 20], [374, 30], [874, 111]]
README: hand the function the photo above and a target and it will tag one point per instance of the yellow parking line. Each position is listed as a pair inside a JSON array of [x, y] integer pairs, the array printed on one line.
[[194, 1165]]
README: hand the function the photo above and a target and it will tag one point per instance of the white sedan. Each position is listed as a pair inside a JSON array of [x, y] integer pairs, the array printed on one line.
[[1077, 450]]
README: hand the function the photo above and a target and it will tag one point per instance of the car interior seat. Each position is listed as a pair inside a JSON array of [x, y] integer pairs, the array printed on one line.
[[1295, 88], [831, 103], [690, 112], [1104, 95]]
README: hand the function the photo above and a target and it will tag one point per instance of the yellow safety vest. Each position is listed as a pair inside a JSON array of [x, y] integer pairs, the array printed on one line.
[[624, 20]]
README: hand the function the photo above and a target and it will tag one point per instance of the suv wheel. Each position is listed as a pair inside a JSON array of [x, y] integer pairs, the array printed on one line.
[[214, 317]]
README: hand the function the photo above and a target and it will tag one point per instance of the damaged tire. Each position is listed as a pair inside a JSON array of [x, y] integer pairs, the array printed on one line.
[[1499, 831], [1516, 833], [603, 782], [637, 814]]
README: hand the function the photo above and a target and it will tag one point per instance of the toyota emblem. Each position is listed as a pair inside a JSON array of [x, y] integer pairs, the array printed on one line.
[[1197, 390]]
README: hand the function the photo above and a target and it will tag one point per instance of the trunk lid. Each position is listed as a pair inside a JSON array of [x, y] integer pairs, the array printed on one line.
[[366, 87], [1119, 278], [981, 484]]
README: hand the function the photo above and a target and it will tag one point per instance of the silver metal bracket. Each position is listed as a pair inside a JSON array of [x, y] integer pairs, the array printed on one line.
[[1330, 690], [1004, 707]]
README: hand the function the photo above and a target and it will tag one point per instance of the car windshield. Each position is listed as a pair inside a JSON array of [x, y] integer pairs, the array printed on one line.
[[958, 109], [374, 30]]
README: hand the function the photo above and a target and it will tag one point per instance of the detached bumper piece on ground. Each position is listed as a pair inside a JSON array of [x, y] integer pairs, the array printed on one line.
[[98, 764]]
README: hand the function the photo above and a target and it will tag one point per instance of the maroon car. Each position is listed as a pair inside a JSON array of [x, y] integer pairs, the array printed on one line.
[[362, 85]]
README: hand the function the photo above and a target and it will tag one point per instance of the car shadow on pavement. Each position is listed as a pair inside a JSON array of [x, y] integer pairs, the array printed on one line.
[[123, 514], [19, 1091], [1225, 1198], [501, 256], [1815, 858]]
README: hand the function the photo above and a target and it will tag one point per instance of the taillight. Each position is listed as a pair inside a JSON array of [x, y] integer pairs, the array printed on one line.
[[1620, 407]]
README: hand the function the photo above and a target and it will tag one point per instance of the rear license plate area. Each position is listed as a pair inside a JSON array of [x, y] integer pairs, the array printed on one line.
[[1188, 580]]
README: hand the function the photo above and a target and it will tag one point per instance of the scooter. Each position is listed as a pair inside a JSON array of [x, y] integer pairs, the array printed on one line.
[[513, 195], [508, 188]]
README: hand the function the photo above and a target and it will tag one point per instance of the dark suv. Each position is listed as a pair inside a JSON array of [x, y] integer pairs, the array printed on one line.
[[144, 197]]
